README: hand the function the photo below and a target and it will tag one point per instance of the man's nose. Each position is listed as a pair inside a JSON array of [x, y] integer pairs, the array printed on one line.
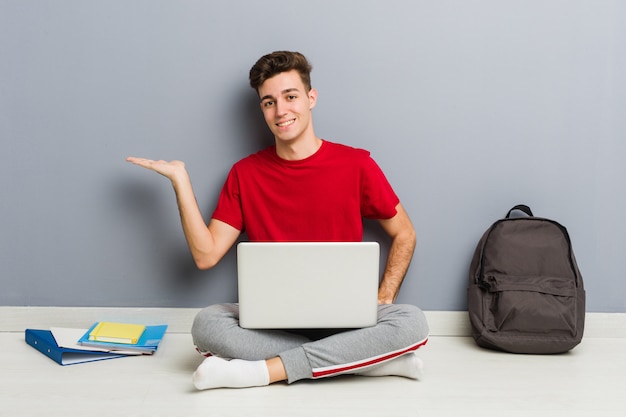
[[281, 107]]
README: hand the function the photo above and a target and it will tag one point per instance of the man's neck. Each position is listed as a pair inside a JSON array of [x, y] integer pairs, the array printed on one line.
[[298, 149]]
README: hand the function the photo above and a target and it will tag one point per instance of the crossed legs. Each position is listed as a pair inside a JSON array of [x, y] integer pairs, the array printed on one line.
[[266, 356]]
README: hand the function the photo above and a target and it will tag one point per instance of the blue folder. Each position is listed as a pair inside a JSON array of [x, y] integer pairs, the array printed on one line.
[[44, 342]]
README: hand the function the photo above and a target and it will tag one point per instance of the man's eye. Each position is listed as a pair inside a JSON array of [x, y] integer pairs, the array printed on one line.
[[292, 97], [268, 103]]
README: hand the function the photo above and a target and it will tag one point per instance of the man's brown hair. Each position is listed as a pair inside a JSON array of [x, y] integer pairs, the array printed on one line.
[[280, 61]]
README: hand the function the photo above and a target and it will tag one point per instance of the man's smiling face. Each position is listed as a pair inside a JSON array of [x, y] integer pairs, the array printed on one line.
[[287, 106]]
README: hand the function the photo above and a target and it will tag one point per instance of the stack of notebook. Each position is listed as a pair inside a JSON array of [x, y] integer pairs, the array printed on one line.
[[104, 340]]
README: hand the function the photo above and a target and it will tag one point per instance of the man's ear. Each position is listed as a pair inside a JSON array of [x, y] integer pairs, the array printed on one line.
[[312, 98]]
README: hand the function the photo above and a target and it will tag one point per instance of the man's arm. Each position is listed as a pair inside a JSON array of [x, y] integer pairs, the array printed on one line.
[[208, 244], [402, 234]]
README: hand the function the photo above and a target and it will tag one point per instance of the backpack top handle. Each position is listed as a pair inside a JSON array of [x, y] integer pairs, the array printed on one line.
[[521, 207]]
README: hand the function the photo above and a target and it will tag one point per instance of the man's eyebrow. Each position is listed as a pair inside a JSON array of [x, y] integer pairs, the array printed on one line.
[[270, 97]]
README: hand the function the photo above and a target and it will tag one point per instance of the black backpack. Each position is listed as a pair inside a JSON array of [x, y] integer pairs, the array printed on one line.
[[525, 291]]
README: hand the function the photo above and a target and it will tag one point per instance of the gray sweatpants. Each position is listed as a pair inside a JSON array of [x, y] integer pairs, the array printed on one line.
[[401, 329]]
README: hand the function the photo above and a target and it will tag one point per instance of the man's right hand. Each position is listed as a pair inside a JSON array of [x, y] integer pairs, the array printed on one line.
[[208, 244], [171, 170]]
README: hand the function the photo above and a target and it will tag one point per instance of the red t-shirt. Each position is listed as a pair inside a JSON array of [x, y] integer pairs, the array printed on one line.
[[321, 198]]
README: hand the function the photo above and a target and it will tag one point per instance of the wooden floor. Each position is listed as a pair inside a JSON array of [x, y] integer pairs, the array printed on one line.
[[461, 380]]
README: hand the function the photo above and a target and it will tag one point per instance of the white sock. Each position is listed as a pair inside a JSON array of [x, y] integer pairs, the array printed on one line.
[[408, 366], [216, 372]]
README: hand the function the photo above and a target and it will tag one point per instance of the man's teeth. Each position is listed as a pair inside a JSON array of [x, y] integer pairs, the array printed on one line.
[[287, 123]]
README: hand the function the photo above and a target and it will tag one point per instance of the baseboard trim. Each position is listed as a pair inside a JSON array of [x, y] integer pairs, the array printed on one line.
[[442, 323], [14, 319]]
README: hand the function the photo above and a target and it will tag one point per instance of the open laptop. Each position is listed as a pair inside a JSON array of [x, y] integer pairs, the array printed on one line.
[[308, 285]]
